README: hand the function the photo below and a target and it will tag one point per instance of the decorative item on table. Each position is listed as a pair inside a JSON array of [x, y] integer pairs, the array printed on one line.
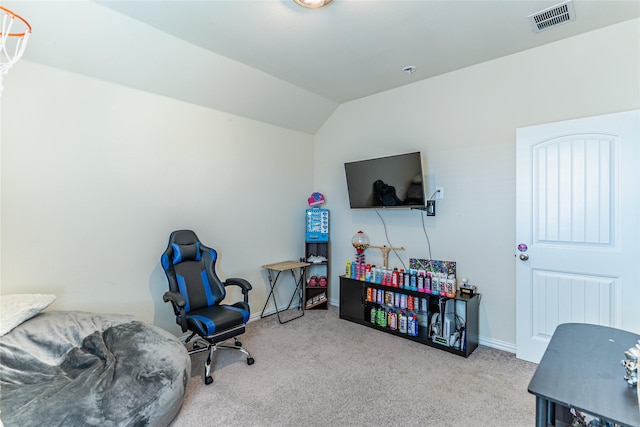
[[316, 199], [385, 253], [317, 220], [466, 288], [360, 242], [630, 364]]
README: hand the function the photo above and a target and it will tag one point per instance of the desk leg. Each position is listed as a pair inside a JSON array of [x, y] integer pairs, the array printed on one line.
[[551, 413], [272, 285], [541, 411], [298, 290]]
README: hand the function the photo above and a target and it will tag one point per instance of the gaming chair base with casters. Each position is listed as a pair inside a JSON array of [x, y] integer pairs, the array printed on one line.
[[196, 294], [201, 344]]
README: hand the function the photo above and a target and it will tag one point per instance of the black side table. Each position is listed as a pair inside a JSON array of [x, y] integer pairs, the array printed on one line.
[[581, 369]]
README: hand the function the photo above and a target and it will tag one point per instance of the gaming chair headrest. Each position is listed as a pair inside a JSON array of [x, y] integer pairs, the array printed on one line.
[[185, 246], [186, 252]]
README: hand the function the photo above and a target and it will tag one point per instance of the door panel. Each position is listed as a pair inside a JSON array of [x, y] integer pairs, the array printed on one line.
[[563, 298], [573, 190], [577, 225]]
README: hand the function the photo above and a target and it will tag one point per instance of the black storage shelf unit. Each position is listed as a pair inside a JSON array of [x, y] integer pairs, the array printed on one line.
[[316, 297], [355, 308]]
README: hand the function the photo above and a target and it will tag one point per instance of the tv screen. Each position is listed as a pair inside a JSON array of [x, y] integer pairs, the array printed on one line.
[[386, 182]]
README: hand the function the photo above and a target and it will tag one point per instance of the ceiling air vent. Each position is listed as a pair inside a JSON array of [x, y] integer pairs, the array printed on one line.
[[552, 16]]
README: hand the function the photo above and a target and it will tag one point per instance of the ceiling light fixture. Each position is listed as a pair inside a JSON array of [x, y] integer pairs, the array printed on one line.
[[313, 4]]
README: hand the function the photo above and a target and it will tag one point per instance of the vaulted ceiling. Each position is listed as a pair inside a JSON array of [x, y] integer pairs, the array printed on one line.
[[277, 62]]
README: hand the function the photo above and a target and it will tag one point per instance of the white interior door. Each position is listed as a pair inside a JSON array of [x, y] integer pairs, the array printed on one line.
[[577, 232]]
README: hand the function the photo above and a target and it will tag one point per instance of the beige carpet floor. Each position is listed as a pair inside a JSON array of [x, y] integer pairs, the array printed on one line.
[[320, 370]]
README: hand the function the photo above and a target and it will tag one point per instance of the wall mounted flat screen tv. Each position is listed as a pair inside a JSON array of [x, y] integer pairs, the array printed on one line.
[[386, 182]]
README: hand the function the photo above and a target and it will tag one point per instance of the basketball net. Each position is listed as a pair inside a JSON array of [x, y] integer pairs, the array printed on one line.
[[13, 40]]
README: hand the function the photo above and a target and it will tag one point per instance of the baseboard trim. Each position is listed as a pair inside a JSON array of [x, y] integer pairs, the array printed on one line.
[[497, 344], [488, 342]]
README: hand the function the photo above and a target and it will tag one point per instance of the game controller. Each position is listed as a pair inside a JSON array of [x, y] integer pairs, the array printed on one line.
[[434, 330], [454, 340]]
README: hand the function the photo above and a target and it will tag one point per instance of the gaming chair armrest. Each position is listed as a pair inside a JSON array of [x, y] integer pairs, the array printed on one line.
[[179, 302], [242, 283], [175, 298]]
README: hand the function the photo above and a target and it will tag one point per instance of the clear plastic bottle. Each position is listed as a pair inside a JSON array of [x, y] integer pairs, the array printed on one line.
[[451, 286], [402, 320], [383, 317], [393, 320], [413, 325], [421, 282], [427, 282]]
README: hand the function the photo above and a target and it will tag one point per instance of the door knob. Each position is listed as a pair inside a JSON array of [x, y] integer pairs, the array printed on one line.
[[524, 257]]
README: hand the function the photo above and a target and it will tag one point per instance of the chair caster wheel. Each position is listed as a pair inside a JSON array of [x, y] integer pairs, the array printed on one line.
[[250, 361], [238, 344], [208, 380]]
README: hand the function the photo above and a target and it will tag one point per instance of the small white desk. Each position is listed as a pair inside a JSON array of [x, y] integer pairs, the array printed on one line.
[[273, 271]]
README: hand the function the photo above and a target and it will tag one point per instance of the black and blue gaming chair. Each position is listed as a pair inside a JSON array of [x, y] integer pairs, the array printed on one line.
[[196, 294]]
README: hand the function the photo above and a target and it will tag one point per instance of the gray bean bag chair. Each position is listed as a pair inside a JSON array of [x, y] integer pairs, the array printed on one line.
[[87, 369]]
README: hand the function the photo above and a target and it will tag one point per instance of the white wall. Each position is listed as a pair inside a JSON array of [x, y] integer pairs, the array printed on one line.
[[464, 124], [95, 176]]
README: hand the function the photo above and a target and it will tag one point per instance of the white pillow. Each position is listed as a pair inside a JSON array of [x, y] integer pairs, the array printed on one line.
[[18, 308]]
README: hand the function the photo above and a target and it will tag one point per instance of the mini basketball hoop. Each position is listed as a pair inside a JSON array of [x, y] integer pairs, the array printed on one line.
[[13, 40]]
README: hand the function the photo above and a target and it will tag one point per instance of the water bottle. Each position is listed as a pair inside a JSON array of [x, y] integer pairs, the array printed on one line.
[[403, 322], [394, 278], [421, 282], [383, 317], [427, 282], [413, 326], [393, 320]]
